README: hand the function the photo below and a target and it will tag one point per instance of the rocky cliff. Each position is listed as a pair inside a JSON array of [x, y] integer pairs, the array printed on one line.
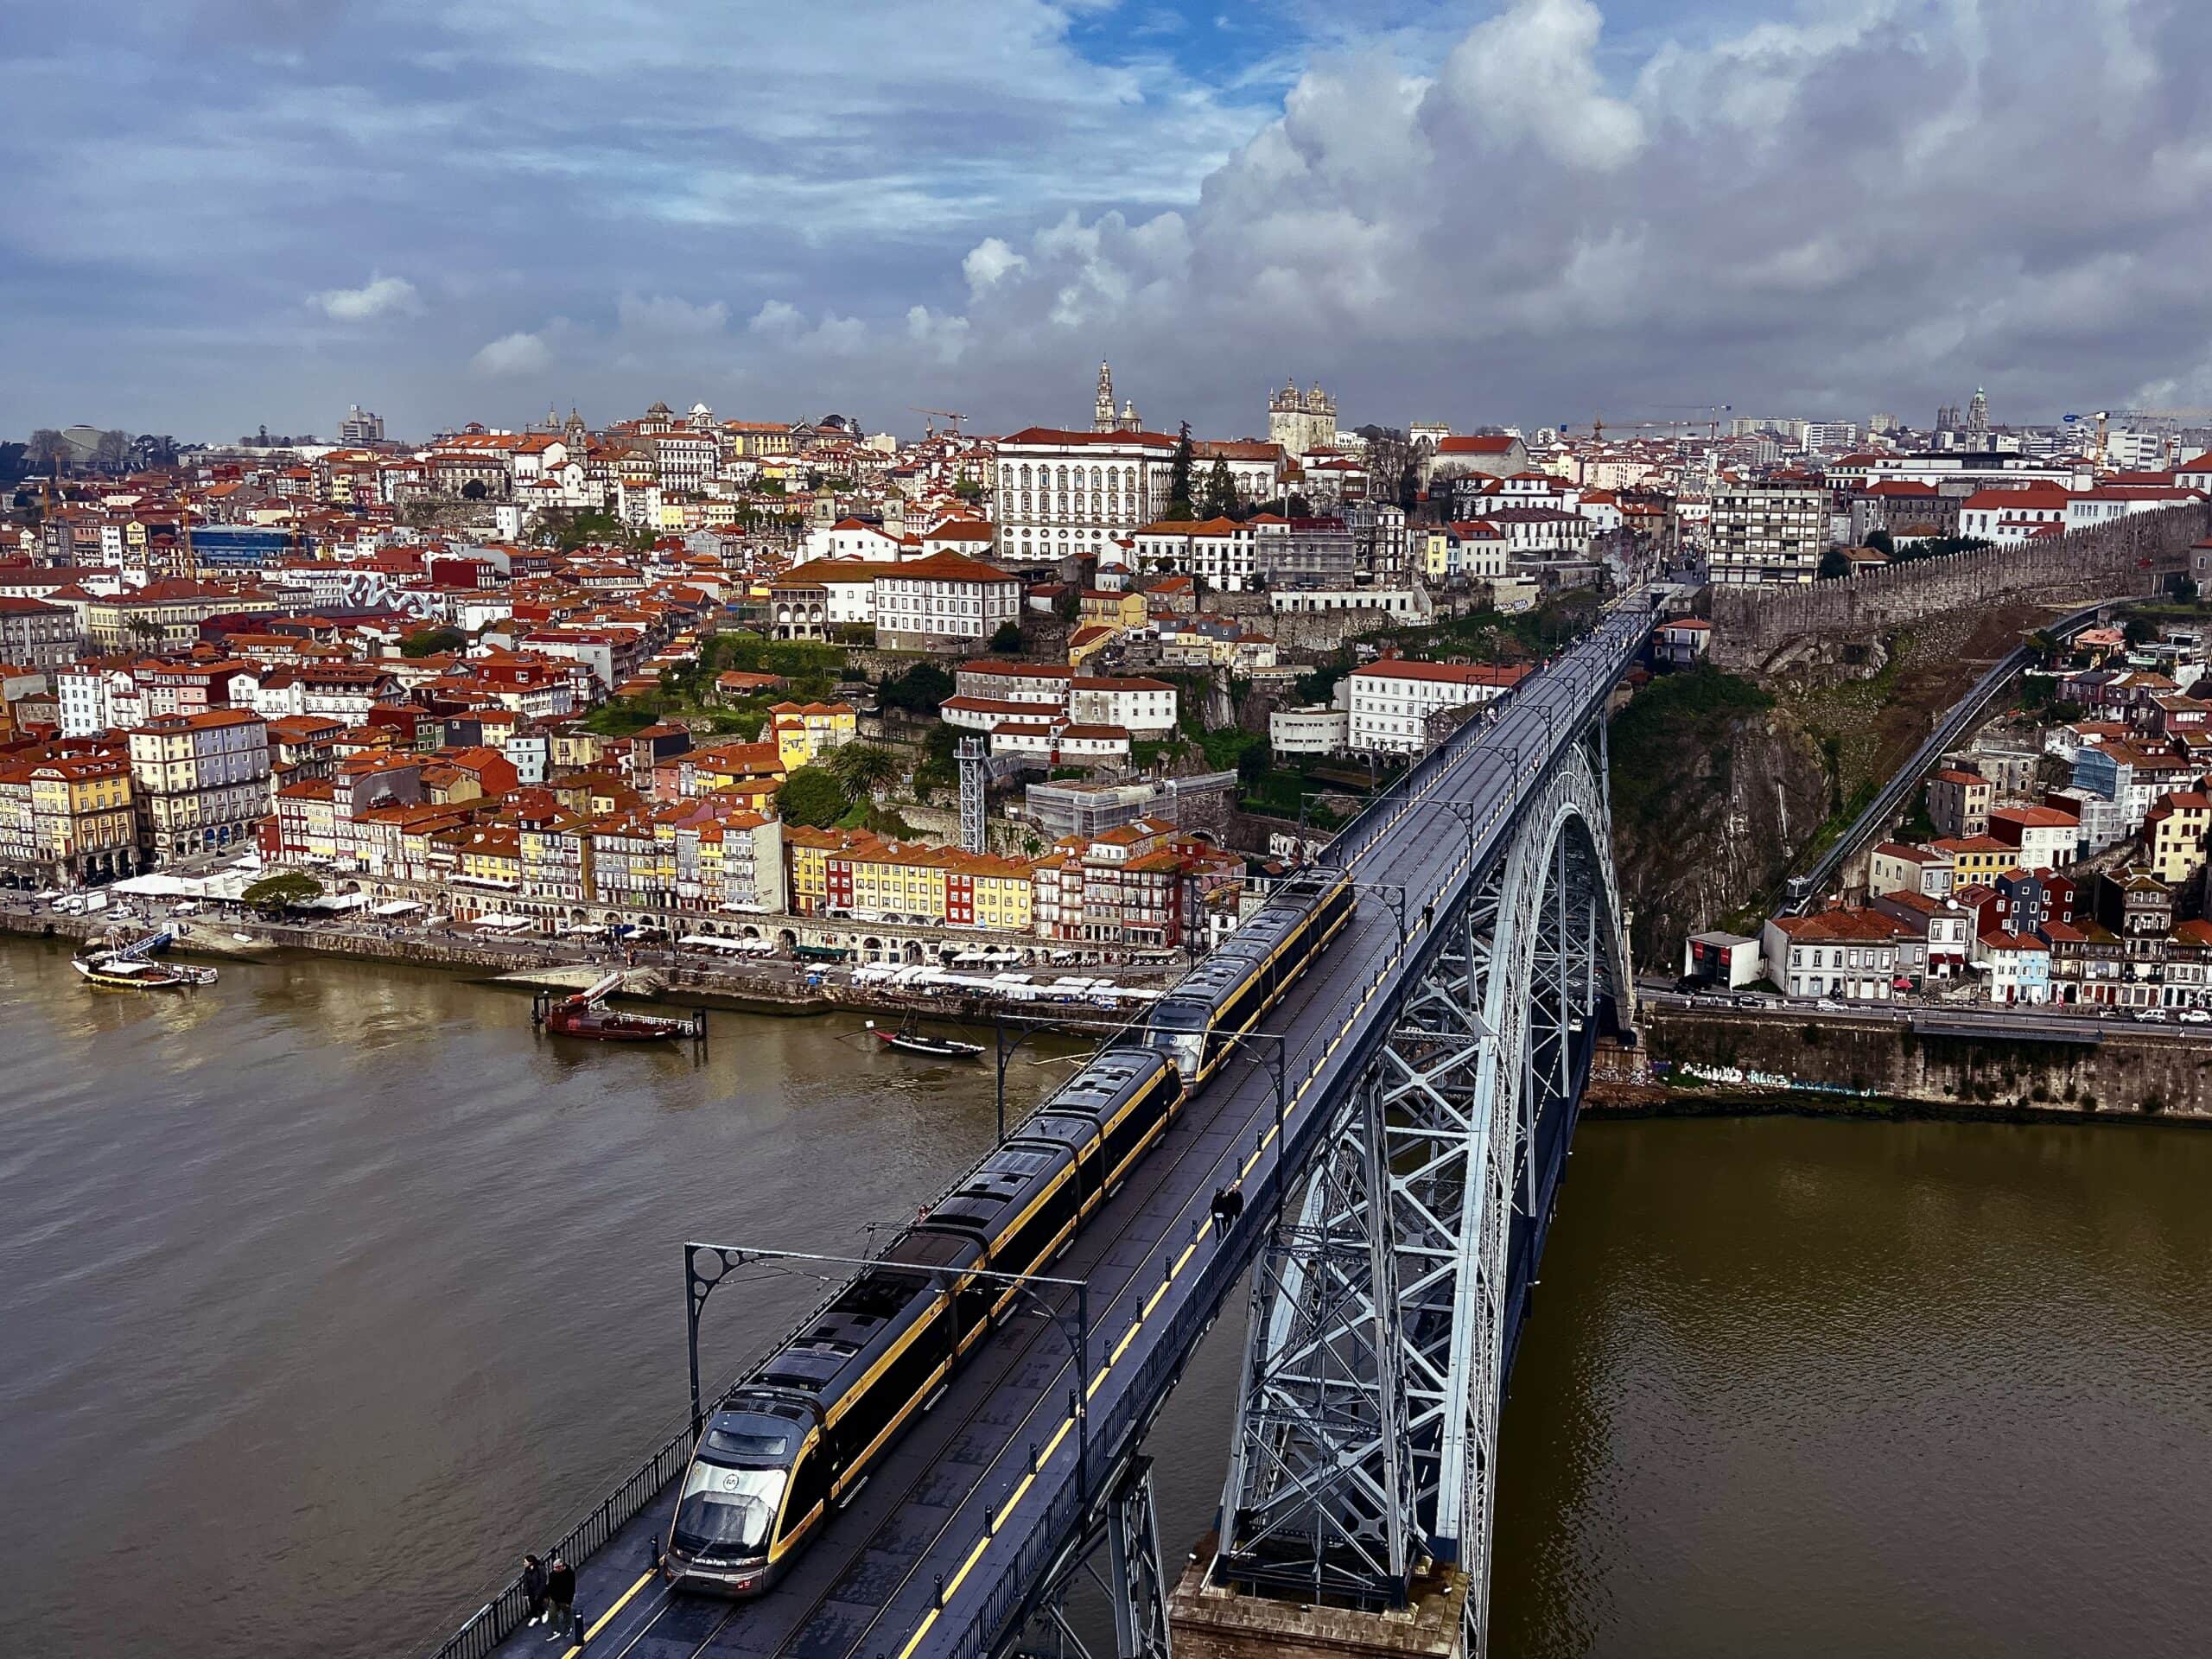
[[1714, 785]]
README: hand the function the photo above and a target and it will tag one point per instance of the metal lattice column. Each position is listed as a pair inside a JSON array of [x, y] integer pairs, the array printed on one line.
[[973, 782], [1344, 1424], [1317, 1503], [1125, 1526]]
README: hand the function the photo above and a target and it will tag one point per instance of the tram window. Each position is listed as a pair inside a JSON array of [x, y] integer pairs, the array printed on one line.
[[735, 1443], [808, 1489]]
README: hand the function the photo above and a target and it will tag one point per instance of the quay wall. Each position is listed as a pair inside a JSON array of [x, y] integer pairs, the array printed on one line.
[[1811, 1063], [736, 985]]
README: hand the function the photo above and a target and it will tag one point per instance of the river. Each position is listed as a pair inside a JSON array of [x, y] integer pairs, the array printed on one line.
[[325, 1290]]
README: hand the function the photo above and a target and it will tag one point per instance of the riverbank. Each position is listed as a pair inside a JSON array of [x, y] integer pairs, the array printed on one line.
[[776, 989], [1698, 1064]]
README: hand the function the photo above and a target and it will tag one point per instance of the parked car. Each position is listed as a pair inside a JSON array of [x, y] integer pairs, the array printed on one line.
[[2193, 1017], [1828, 1005], [2151, 1016]]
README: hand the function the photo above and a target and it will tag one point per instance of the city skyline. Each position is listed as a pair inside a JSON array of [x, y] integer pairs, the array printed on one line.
[[1547, 210]]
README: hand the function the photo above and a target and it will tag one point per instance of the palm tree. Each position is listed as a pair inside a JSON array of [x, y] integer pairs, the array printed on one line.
[[863, 768]]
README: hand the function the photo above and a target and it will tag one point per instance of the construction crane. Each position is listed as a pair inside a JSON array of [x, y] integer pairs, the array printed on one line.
[[2104, 416], [1598, 425], [952, 414], [1713, 412]]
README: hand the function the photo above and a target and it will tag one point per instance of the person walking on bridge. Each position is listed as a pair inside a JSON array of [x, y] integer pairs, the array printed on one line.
[[561, 1591], [533, 1587]]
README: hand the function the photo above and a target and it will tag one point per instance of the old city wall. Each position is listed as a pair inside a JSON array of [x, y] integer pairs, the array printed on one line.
[[1806, 1061], [1753, 625]]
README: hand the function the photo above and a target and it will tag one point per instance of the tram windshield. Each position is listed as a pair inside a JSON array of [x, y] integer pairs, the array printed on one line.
[[1179, 1028], [725, 1510]]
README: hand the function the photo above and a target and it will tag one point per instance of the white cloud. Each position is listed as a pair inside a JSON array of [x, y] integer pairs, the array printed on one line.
[[778, 319], [513, 354], [1530, 75], [988, 262], [379, 297]]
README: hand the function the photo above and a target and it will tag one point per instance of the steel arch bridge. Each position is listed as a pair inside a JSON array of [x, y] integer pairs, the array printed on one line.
[[1396, 1138], [1385, 1305]]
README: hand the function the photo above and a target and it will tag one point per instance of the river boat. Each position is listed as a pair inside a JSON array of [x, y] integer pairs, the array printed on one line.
[[907, 1039], [139, 973], [586, 1014]]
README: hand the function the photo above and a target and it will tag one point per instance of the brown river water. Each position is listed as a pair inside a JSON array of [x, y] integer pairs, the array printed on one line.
[[327, 1290]]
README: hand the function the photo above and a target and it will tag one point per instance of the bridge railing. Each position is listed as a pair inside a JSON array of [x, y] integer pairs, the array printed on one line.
[[503, 1615]]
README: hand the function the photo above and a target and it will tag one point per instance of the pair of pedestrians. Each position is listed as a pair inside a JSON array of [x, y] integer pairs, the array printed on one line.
[[550, 1586]]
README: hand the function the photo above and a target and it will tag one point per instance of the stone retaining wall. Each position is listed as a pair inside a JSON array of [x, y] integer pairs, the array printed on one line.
[[1807, 1062], [2130, 557]]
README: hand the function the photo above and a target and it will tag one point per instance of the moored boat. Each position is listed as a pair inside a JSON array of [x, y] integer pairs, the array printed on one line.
[[907, 1039], [139, 973], [586, 1014]]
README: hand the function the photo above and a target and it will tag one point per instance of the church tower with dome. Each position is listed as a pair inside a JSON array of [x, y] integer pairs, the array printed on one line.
[[1302, 422]]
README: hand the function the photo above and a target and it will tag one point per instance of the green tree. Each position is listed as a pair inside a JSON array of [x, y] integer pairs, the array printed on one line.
[[432, 642], [1882, 542], [286, 890], [1220, 492], [1410, 488], [1179, 477], [919, 690], [812, 795], [862, 768], [1834, 565], [1008, 637]]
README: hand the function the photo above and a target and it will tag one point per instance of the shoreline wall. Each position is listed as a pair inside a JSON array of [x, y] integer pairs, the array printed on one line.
[[1800, 1063]]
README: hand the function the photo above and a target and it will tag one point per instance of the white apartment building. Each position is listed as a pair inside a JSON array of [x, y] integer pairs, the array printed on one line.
[[944, 598], [1758, 535], [1847, 953], [2010, 517], [683, 461], [1042, 683], [94, 699], [1143, 708], [855, 539], [1067, 494], [1391, 701], [1220, 552], [1314, 729]]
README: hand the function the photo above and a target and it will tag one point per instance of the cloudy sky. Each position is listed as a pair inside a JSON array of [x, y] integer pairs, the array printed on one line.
[[223, 213]]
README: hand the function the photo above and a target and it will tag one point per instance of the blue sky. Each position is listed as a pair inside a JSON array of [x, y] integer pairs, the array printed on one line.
[[231, 212]]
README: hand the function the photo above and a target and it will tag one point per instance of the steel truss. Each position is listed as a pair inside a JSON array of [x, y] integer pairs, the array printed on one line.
[[1124, 1527], [1375, 1360]]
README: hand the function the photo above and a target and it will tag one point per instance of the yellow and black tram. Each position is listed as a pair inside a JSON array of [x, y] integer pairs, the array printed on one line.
[[802, 1434]]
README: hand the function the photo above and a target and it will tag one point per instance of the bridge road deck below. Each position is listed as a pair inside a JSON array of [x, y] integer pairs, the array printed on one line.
[[866, 1587]]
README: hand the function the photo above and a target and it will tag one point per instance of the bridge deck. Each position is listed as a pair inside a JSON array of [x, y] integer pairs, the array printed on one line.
[[866, 1588]]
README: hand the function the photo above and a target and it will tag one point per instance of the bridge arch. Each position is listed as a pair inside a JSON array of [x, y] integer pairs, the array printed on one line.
[[1386, 1309]]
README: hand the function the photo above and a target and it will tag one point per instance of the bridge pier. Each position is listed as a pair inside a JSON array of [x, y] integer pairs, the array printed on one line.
[[1212, 1621]]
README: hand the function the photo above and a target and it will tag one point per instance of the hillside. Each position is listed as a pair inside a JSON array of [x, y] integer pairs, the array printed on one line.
[[1722, 783]]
